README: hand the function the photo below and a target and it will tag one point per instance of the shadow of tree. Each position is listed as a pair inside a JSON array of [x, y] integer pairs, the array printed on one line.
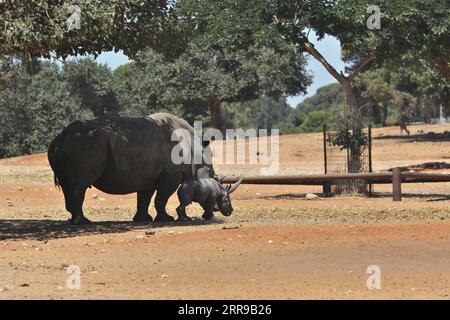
[[428, 196], [43, 230], [289, 196], [428, 137], [284, 196]]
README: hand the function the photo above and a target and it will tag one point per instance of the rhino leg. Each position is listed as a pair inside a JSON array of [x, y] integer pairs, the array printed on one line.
[[182, 216], [181, 210], [207, 215], [143, 201], [74, 198], [185, 196], [208, 206], [167, 185]]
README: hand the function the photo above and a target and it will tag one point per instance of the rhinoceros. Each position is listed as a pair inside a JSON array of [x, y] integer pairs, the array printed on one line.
[[121, 156], [209, 193]]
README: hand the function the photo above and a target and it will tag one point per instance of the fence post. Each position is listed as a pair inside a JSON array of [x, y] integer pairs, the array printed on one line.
[[396, 184], [326, 188], [370, 156]]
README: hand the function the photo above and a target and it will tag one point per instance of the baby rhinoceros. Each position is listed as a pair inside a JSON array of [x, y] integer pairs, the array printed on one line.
[[209, 193]]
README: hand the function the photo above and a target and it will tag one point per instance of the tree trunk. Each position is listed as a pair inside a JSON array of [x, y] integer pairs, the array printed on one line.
[[442, 63], [353, 104], [354, 164], [385, 114], [215, 109]]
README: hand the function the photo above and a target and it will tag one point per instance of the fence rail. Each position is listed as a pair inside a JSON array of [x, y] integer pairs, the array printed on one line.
[[396, 177]]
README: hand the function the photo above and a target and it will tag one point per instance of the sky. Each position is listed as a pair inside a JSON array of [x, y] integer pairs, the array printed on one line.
[[329, 47]]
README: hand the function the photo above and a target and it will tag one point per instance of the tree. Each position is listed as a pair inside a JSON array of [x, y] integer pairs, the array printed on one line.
[[41, 28], [35, 108], [262, 113], [233, 56], [314, 122], [142, 87], [91, 83], [400, 36], [378, 90], [403, 94], [327, 98]]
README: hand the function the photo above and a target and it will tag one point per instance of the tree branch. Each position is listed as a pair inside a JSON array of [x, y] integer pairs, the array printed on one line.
[[316, 54], [361, 66]]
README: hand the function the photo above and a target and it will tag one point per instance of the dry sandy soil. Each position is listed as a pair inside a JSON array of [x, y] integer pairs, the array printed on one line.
[[277, 244]]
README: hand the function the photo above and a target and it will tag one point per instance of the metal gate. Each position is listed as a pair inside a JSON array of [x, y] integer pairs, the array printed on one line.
[[341, 159]]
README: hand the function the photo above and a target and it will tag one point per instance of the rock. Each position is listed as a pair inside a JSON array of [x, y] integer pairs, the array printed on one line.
[[149, 233], [94, 196], [139, 237], [24, 285], [8, 287], [230, 228], [64, 265], [311, 196], [101, 199], [20, 189], [164, 276], [270, 241]]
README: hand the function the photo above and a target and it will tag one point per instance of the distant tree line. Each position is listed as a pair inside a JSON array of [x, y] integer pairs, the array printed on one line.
[[35, 106]]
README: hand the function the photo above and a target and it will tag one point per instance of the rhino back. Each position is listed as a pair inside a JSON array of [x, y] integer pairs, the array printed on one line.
[[170, 123], [78, 154], [138, 152]]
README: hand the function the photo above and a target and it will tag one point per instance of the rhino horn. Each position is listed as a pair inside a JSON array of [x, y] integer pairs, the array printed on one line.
[[234, 186]]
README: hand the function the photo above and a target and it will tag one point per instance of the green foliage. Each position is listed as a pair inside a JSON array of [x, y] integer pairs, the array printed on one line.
[[345, 139], [314, 121], [39, 28], [262, 113], [92, 84], [389, 96], [34, 108], [234, 55], [190, 82], [327, 98]]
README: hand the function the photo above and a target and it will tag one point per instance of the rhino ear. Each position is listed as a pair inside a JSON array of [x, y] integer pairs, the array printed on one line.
[[232, 187]]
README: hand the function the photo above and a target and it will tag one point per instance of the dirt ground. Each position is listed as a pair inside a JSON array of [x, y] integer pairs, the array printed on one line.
[[276, 245]]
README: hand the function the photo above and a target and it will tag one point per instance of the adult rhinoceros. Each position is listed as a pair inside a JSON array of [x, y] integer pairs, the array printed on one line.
[[121, 156]]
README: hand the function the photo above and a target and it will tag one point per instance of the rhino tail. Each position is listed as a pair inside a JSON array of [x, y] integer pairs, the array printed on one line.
[[53, 156]]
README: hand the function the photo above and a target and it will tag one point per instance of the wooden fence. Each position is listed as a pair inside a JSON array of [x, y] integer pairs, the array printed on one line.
[[396, 178]]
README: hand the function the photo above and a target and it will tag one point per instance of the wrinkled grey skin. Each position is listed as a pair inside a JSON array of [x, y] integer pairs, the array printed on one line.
[[121, 156], [209, 193]]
